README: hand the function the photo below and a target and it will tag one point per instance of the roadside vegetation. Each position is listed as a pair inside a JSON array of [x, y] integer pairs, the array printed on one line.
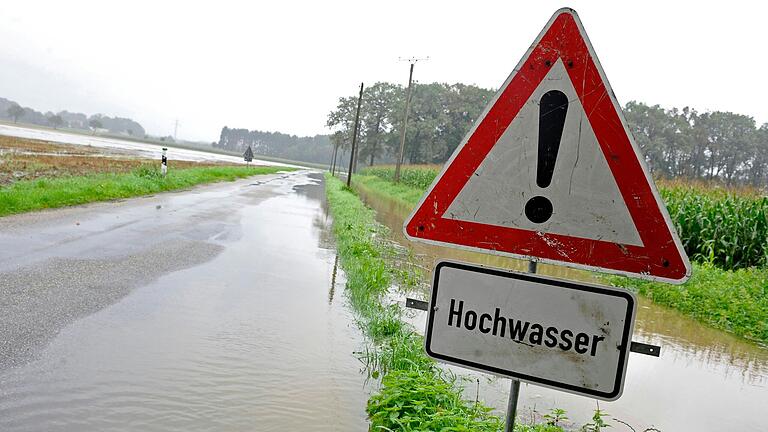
[[36, 175], [728, 228], [724, 231], [732, 300], [30, 195], [415, 394]]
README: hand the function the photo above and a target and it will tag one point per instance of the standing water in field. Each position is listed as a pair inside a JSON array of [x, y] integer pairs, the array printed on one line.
[[705, 379]]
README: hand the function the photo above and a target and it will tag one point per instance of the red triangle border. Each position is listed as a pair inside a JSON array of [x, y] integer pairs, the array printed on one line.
[[660, 258]]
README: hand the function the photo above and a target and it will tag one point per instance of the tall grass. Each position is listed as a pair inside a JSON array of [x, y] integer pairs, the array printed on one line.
[[415, 176], [29, 195], [719, 226]]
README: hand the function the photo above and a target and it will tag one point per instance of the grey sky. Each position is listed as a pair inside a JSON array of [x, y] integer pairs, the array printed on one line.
[[281, 65]]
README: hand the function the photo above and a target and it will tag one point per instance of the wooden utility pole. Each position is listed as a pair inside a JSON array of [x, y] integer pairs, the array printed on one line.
[[333, 158], [401, 154], [353, 153]]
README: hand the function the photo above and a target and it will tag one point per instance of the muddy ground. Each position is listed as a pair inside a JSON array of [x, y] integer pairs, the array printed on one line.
[[26, 159]]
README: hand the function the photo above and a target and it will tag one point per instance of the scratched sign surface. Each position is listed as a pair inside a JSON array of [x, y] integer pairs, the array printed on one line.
[[550, 172], [564, 335]]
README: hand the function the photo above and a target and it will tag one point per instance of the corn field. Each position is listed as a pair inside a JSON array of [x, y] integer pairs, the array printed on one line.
[[724, 228]]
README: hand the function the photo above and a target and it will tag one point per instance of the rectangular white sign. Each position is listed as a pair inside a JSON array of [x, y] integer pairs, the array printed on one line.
[[560, 334]]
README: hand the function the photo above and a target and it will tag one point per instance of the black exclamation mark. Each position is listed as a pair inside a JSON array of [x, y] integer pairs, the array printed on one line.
[[552, 110]]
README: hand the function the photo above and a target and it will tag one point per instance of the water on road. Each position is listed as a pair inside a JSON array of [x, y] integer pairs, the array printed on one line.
[[247, 334], [704, 380]]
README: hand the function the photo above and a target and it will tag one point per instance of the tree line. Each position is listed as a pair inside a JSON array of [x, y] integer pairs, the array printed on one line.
[[716, 145], [10, 110], [316, 149], [440, 115]]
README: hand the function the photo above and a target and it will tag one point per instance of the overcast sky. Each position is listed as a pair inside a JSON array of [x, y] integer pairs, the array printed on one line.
[[281, 65]]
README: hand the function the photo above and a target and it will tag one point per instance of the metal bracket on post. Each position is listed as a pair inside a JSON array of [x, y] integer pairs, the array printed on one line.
[[647, 349], [416, 304]]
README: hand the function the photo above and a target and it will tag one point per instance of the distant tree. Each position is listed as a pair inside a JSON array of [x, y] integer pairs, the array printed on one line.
[[379, 114], [15, 111], [95, 123], [130, 132], [440, 115], [758, 166], [56, 121]]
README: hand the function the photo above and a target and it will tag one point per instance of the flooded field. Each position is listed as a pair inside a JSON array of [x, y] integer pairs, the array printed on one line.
[[705, 379], [141, 149], [28, 159]]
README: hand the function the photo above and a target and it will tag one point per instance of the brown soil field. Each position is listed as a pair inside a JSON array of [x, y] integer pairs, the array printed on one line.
[[25, 159]]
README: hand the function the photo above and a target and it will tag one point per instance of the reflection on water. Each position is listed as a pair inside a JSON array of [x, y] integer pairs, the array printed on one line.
[[332, 289], [705, 379], [684, 339]]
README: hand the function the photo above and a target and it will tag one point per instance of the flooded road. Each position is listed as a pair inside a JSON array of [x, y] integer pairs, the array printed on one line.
[[704, 380], [210, 309], [141, 149]]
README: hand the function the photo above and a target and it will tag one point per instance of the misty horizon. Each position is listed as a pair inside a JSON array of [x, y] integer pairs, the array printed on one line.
[[282, 68]]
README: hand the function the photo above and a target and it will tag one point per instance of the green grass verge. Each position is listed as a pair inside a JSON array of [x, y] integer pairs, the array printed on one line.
[[415, 394], [400, 192], [732, 300], [30, 195]]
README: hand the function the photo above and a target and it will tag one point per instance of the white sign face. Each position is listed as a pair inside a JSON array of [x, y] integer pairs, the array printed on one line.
[[587, 202], [560, 334]]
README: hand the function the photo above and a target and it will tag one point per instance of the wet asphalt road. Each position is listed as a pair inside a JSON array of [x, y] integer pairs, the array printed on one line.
[[209, 309]]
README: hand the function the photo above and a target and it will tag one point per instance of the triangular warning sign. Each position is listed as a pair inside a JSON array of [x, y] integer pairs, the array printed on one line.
[[550, 172]]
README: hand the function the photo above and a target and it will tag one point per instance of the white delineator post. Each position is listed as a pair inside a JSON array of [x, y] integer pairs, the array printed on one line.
[[164, 163]]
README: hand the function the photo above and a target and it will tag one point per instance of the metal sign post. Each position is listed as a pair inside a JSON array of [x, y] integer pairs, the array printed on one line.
[[514, 395], [514, 388]]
